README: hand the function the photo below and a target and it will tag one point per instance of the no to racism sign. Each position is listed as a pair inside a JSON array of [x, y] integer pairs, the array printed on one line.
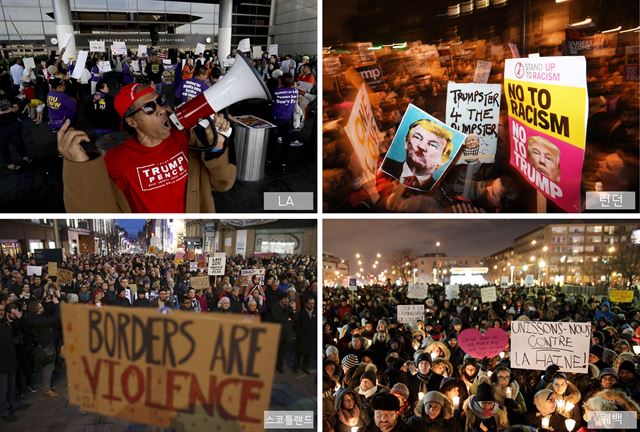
[[179, 370]]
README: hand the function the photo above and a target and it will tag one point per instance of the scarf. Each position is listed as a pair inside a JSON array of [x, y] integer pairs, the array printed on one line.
[[369, 393], [424, 382], [349, 417], [480, 412]]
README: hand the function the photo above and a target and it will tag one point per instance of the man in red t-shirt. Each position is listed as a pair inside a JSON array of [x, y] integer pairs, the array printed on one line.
[[152, 172]]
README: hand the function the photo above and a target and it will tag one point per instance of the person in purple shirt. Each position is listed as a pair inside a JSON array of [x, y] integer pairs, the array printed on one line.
[[127, 76], [285, 97], [61, 106], [188, 89], [95, 75]]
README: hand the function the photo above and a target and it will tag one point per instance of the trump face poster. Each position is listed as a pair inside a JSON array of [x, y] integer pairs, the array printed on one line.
[[548, 107]]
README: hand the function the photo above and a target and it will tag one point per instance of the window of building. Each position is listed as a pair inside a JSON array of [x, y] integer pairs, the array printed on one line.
[[558, 230]]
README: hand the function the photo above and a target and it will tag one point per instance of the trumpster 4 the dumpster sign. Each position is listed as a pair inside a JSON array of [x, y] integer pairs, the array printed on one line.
[[548, 106], [187, 371]]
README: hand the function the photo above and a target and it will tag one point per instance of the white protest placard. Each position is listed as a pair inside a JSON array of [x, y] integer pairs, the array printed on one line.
[[535, 345], [418, 290], [488, 294], [452, 291], [96, 46], [34, 270], [257, 52], [200, 48], [217, 264], [504, 282], [482, 72], [272, 49], [193, 266], [104, 66], [119, 48], [410, 314], [353, 284], [528, 281], [166, 62], [80, 64], [142, 50], [474, 109], [29, 63], [365, 138], [135, 66], [244, 45], [64, 40]]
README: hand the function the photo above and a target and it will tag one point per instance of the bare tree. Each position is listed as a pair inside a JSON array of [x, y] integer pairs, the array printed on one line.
[[626, 261], [401, 265]]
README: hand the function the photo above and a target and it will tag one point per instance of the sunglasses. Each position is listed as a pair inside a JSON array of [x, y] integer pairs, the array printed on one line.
[[150, 107]]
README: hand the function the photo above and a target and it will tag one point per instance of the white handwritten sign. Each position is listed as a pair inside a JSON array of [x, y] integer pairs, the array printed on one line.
[[217, 264], [96, 46], [488, 294], [410, 314], [452, 291], [418, 290], [537, 344]]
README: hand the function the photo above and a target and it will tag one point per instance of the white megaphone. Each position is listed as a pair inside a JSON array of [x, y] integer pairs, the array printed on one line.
[[240, 83]]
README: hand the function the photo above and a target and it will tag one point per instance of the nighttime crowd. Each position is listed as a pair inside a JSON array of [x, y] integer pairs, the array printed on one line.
[[48, 93], [611, 155], [382, 375], [31, 341]]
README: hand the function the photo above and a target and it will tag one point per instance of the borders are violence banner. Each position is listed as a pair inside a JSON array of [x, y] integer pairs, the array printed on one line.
[[548, 107], [183, 370]]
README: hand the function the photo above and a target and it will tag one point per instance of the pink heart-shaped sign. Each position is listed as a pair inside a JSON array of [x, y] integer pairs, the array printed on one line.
[[479, 345]]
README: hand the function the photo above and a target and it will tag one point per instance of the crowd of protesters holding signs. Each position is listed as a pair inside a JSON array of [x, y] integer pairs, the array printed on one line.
[[388, 368], [279, 289]]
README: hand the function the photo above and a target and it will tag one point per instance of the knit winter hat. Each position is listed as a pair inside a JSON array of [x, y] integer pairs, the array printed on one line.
[[349, 361], [400, 389], [597, 350], [370, 375], [385, 402], [423, 357], [485, 393], [608, 371], [627, 365], [331, 350], [434, 396]]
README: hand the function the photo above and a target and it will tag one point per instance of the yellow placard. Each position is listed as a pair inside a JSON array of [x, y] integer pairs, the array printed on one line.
[[52, 268], [200, 282], [64, 277], [183, 370], [621, 296]]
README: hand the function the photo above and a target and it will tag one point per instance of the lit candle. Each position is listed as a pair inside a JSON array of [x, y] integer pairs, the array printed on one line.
[[568, 406], [489, 373], [433, 356], [636, 349], [560, 404], [335, 340], [456, 401], [570, 424], [508, 392], [420, 395], [501, 355], [354, 429], [545, 422]]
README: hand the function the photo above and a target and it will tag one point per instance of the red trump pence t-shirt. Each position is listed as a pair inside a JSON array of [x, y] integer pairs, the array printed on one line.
[[153, 179]]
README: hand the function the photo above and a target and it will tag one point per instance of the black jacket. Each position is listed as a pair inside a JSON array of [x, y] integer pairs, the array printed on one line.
[[8, 359], [41, 326]]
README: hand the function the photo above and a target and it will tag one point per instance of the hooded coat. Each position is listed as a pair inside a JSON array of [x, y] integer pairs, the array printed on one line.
[[472, 423], [445, 422], [336, 420]]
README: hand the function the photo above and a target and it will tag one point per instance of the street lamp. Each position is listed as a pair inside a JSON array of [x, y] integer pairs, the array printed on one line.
[[437, 248], [378, 255], [545, 248], [357, 255], [533, 242]]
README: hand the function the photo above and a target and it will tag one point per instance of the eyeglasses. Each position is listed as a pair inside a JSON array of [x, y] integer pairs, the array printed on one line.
[[503, 377], [150, 107]]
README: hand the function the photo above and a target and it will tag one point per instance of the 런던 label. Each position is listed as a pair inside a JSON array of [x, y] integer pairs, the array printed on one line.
[[611, 201]]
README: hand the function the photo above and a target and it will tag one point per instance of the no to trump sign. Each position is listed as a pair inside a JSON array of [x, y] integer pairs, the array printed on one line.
[[538, 344], [179, 370]]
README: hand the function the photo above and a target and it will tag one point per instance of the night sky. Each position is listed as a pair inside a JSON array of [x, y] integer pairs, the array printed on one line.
[[344, 238], [132, 226]]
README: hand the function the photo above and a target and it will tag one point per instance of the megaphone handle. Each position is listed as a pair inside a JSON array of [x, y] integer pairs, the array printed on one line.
[[201, 133]]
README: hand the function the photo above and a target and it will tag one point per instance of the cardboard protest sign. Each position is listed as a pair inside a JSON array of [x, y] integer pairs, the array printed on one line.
[[142, 50], [331, 65], [217, 264], [365, 138], [504, 282], [621, 296], [548, 108], [422, 150], [272, 49], [119, 48], [366, 55], [104, 66], [65, 277], [632, 63], [180, 370], [410, 314], [200, 282], [244, 45], [80, 64], [528, 282], [247, 276], [353, 284], [29, 63], [482, 72], [199, 48], [474, 109], [193, 266], [418, 290], [256, 52], [52, 269], [372, 75], [96, 46], [538, 344], [488, 294], [34, 270], [452, 291], [479, 345]]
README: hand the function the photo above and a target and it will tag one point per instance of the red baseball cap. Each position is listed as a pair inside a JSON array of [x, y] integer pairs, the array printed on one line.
[[128, 95]]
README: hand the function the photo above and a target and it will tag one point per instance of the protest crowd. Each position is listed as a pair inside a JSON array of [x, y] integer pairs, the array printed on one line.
[[281, 289], [418, 73], [52, 91], [382, 373]]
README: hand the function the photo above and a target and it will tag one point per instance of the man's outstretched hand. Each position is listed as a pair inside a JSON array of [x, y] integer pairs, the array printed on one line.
[[69, 140]]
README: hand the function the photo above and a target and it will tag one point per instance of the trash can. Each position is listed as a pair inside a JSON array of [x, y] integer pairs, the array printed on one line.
[[252, 139]]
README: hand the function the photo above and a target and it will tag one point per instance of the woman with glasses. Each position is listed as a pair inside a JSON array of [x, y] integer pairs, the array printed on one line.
[[434, 414], [483, 413]]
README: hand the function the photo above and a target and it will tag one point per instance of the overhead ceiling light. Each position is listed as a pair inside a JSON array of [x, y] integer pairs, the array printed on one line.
[[208, 39], [612, 30], [581, 23], [630, 30]]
